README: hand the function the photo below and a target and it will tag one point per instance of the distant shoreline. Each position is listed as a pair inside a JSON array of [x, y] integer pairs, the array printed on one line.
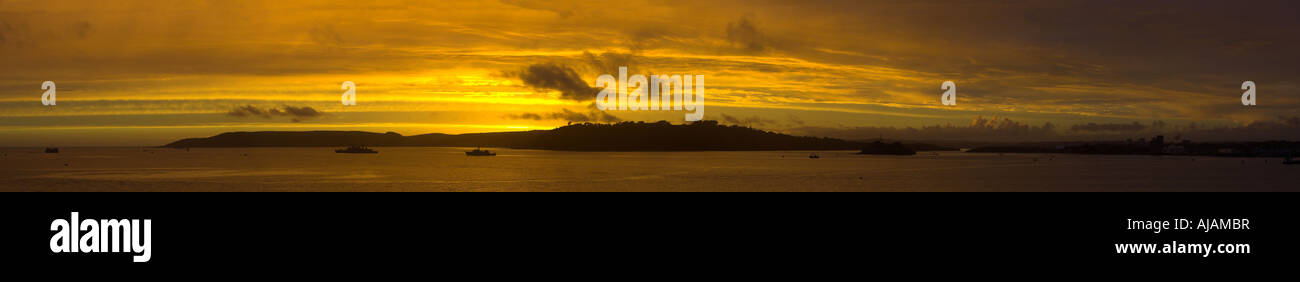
[[619, 137], [1155, 147], [703, 136]]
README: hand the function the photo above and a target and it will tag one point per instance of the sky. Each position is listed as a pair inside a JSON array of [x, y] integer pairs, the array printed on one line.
[[143, 73]]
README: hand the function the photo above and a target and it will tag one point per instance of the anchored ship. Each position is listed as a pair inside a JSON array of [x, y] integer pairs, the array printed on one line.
[[356, 150], [480, 152]]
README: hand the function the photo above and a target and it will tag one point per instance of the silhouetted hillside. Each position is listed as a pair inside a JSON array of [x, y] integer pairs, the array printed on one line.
[[882, 148], [626, 136], [659, 136], [348, 138], [291, 138]]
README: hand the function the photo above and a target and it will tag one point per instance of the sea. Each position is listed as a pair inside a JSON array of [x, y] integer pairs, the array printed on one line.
[[449, 169]]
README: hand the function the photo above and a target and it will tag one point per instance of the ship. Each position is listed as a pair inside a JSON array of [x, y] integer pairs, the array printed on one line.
[[51, 150], [356, 150], [814, 156], [478, 152], [1290, 161]]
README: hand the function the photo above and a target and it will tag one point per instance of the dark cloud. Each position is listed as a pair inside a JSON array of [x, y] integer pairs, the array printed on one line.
[[12, 33], [746, 35], [794, 120], [995, 123], [608, 62], [82, 29], [746, 121], [296, 114], [1159, 124], [1109, 127], [325, 35], [551, 76], [648, 37], [531, 116], [591, 115], [248, 111]]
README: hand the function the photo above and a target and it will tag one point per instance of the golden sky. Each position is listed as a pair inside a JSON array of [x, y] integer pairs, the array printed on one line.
[[133, 72]]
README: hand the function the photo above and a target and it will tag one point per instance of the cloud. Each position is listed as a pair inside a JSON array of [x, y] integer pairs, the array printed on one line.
[[591, 115], [997, 124], [531, 116], [296, 114], [12, 33], [794, 120], [1112, 127], [1159, 124], [746, 121], [82, 29], [326, 35], [248, 111], [746, 35], [562, 78], [608, 62]]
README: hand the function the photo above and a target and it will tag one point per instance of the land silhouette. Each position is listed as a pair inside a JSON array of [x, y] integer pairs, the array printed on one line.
[[1156, 146], [881, 148], [711, 136], [624, 136]]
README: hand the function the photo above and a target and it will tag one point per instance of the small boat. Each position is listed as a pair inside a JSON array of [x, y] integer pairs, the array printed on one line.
[[814, 156], [356, 150], [51, 150], [478, 152]]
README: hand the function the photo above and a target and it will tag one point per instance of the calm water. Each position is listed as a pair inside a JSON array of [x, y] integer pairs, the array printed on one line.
[[448, 169]]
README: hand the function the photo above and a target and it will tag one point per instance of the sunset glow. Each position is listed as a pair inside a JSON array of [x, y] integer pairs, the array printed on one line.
[[171, 70]]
